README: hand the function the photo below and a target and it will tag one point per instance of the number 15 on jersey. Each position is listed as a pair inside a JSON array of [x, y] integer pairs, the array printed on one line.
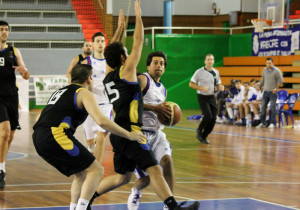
[[110, 91]]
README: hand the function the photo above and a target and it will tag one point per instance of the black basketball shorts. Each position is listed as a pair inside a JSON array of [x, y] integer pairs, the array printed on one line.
[[65, 153], [129, 154], [9, 111]]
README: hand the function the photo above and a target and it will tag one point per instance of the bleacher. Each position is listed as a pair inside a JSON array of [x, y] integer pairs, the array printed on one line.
[[42, 23], [248, 67]]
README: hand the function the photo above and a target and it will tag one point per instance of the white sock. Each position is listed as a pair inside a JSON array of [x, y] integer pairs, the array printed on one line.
[[82, 204], [73, 206], [256, 117], [268, 117], [235, 112], [248, 117], [230, 113], [2, 167], [136, 190]]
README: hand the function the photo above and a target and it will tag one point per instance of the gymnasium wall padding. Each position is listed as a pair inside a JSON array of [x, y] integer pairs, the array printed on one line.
[[186, 53]]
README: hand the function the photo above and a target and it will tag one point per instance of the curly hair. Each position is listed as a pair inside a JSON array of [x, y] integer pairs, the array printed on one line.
[[156, 54]]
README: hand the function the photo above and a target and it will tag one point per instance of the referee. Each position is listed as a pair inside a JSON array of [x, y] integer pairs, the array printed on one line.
[[206, 80]]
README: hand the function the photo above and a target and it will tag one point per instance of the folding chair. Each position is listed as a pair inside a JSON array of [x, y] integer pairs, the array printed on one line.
[[282, 96], [291, 100]]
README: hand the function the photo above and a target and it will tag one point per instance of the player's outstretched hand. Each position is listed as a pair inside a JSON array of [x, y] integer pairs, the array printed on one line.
[[121, 21], [137, 8], [137, 136], [20, 69], [165, 111]]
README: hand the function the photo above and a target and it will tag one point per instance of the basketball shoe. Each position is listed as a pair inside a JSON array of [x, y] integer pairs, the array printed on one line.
[[193, 206], [134, 199], [2, 179]]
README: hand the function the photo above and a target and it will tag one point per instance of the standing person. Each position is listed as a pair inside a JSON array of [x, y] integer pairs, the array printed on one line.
[[124, 92], [270, 81], [11, 61], [54, 139], [206, 81], [154, 96], [96, 135], [86, 51]]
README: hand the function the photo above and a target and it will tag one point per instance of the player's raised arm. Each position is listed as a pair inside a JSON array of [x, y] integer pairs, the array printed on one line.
[[129, 71], [121, 26]]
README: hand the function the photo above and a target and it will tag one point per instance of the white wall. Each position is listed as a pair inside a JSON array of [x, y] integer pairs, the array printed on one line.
[[226, 6], [149, 7], [192, 7], [181, 7], [249, 5]]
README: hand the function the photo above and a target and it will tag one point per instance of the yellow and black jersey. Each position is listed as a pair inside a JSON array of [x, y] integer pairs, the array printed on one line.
[[62, 111], [7, 72], [126, 98], [80, 58]]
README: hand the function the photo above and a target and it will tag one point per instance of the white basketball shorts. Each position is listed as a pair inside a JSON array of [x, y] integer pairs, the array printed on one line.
[[91, 128], [160, 147]]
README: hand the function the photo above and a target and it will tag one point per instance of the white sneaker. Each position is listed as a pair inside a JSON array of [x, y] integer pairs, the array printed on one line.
[[271, 125], [134, 199], [219, 120], [166, 207], [261, 125]]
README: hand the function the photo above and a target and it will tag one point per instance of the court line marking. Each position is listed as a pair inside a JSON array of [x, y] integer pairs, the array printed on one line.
[[188, 182], [220, 199], [239, 135], [234, 148], [276, 204], [24, 155]]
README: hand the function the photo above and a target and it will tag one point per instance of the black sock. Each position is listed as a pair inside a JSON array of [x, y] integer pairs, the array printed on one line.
[[170, 202]]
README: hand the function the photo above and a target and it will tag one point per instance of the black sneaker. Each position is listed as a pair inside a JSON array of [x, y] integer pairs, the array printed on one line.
[[89, 207], [255, 123], [2, 179], [204, 141], [198, 134], [193, 206]]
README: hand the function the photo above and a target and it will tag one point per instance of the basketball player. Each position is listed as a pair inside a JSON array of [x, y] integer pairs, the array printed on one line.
[[206, 80], [87, 51], [96, 135], [11, 61], [154, 95], [54, 139], [124, 92]]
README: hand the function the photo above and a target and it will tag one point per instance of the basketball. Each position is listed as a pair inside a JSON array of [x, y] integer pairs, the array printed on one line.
[[175, 117]]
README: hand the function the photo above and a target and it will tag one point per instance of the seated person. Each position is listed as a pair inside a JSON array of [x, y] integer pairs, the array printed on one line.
[[256, 104], [250, 96], [221, 96], [232, 106]]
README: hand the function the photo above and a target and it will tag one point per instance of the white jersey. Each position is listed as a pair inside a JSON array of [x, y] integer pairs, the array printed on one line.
[[153, 94], [99, 70]]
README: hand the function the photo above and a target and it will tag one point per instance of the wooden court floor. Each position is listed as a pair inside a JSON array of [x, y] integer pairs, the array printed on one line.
[[240, 162]]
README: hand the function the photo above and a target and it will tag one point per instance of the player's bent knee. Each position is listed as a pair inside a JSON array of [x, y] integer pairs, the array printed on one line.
[[166, 161]]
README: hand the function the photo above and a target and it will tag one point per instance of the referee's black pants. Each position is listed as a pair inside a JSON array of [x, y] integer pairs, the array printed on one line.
[[208, 106]]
